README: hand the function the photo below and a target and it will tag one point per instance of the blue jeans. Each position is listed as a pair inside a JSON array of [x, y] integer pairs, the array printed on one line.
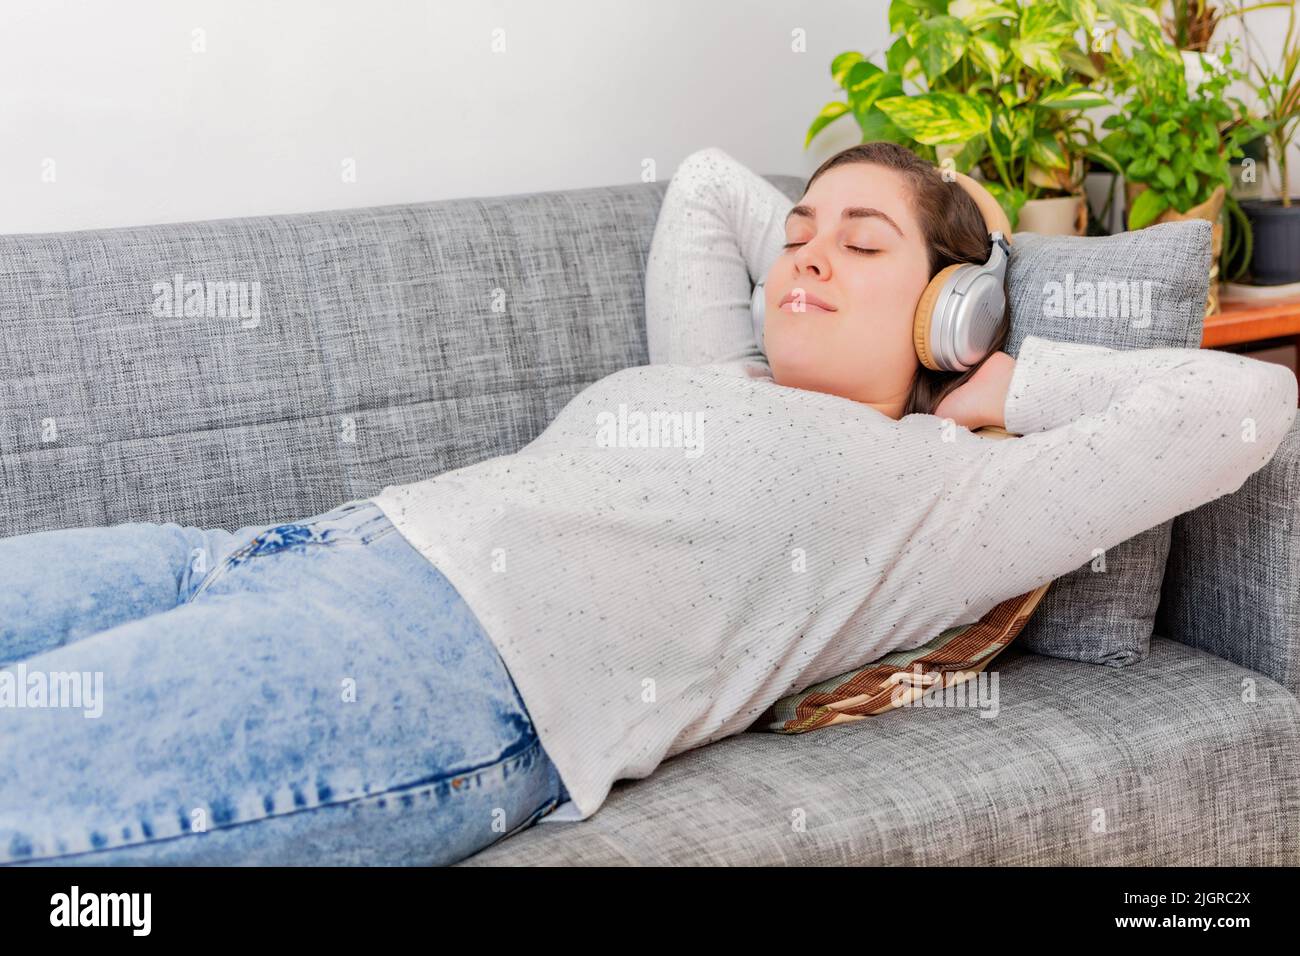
[[305, 693]]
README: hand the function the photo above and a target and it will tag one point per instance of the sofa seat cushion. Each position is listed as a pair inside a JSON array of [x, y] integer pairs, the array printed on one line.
[[1159, 763]]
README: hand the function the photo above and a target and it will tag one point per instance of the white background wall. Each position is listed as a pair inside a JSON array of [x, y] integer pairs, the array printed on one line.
[[142, 128]]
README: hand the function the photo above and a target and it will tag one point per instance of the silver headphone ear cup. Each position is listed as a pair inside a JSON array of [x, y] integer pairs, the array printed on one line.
[[968, 312], [947, 323], [971, 322]]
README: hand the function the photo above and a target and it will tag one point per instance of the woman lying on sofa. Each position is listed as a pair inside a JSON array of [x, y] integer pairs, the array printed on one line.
[[409, 678]]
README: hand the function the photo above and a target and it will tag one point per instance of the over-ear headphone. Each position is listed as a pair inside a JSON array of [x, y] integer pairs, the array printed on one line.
[[959, 314]]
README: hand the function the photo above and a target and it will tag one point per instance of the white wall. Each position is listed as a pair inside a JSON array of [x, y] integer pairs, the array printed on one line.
[[142, 128]]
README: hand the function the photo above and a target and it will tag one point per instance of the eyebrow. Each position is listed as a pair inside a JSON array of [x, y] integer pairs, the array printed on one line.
[[850, 212]]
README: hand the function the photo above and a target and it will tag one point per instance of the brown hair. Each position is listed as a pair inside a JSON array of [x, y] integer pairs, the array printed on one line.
[[954, 230]]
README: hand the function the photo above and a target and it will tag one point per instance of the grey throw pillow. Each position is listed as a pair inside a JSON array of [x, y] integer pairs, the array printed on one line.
[[1143, 289]]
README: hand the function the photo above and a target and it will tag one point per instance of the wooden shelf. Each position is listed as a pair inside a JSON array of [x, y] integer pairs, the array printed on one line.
[[1241, 322]]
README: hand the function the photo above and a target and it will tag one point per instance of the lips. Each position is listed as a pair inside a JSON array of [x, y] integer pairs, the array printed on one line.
[[810, 300]]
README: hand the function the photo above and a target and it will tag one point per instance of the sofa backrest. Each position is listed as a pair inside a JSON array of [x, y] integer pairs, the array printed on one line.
[[320, 356]]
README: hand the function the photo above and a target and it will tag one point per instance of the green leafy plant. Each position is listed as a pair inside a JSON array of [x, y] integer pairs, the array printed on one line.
[[1176, 140], [1279, 94], [998, 85], [1190, 26]]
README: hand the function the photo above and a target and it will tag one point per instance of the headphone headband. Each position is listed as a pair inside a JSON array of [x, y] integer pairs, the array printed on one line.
[[995, 217]]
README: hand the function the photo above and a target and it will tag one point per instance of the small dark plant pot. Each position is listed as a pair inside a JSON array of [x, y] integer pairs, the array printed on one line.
[[1276, 229]]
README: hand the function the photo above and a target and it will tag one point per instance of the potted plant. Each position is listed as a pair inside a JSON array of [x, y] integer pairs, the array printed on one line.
[[1275, 223], [1173, 141], [1190, 27], [994, 88]]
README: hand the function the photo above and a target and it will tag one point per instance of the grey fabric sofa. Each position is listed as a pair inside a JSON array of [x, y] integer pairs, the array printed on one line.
[[390, 344]]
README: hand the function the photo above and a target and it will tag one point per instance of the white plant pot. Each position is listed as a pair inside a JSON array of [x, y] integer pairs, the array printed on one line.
[[1062, 216]]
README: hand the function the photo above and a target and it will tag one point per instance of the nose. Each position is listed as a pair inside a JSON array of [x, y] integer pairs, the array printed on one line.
[[809, 259]]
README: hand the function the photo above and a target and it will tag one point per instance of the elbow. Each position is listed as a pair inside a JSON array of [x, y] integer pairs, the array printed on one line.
[[1239, 410], [1276, 404], [1266, 410]]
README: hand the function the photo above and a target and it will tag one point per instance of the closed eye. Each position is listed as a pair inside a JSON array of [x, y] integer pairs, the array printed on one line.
[[791, 245]]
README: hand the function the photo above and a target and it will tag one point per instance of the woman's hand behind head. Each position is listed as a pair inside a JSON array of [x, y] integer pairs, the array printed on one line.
[[981, 399]]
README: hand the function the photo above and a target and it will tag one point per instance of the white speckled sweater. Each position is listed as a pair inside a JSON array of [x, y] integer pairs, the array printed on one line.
[[654, 590]]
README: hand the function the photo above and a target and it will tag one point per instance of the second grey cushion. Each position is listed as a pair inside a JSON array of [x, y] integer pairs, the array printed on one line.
[[1106, 615]]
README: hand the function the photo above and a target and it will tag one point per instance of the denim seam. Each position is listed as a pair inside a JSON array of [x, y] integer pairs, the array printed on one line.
[[220, 571], [375, 535], [426, 786]]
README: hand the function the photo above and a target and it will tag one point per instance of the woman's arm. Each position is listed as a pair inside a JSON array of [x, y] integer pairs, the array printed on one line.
[[1113, 442], [720, 228]]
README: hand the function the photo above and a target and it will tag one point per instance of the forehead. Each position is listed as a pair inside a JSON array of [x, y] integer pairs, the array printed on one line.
[[858, 192]]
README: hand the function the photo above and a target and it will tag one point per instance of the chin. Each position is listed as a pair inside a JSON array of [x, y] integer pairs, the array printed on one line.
[[799, 354], [798, 372]]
